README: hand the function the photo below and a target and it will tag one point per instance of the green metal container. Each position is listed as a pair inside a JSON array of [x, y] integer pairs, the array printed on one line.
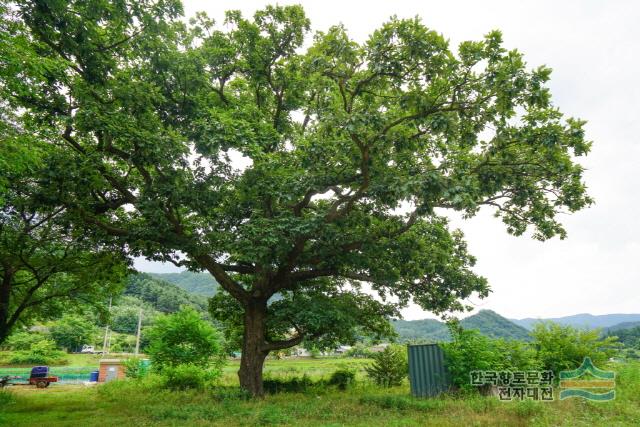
[[427, 370]]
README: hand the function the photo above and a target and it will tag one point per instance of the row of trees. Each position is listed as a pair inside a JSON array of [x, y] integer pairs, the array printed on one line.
[[120, 123]]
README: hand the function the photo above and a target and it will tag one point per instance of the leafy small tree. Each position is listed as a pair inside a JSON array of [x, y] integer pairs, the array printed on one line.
[[564, 347], [22, 340], [72, 331], [390, 366], [42, 353], [183, 338], [47, 265], [470, 351]]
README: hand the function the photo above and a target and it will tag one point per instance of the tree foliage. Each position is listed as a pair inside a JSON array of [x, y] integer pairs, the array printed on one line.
[[47, 265], [470, 351], [630, 337], [563, 347], [349, 152], [183, 338], [161, 295], [390, 366], [73, 331]]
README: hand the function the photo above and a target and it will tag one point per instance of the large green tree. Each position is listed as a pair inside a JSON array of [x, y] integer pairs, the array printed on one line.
[[290, 169], [47, 265]]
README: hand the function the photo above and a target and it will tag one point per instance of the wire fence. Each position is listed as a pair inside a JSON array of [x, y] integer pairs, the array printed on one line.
[[65, 374]]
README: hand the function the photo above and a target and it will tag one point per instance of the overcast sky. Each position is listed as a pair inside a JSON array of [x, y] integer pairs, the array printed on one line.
[[592, 47]]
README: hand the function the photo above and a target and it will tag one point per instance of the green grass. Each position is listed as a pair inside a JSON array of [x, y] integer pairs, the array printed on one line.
[[69, 360], [145, 404]]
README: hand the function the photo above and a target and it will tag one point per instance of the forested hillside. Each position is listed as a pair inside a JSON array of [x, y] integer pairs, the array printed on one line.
[[194, 283], [582, 321], [488, 322], [163, 295], [154, 297], [627, 333]]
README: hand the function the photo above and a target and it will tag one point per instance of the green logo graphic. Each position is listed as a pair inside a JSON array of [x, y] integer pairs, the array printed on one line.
[[572, 385]]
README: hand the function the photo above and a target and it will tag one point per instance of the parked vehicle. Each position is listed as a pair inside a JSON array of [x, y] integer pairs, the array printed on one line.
[[40, 377], [88, 349]]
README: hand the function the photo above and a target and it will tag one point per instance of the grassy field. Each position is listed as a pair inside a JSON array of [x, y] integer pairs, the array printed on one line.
[[69, 360], [142, 403]]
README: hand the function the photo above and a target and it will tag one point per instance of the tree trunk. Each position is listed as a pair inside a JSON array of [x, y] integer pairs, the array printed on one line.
[[253, 348], [5, 295]]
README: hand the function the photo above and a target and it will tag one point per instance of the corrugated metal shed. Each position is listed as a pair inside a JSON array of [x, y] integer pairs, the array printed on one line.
[[427, 371]]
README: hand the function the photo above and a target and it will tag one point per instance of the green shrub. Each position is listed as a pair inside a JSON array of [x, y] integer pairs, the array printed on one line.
[[342, 378], [185, 377], [134, 368], [40, 353], [564, 347], [470, 351], [184, 338], [22, 341], [287, 385], [518, 355], [390, 366], [122, 343]]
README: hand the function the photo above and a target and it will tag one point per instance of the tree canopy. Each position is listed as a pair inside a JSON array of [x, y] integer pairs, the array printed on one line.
[[285, 168], [46, 263]]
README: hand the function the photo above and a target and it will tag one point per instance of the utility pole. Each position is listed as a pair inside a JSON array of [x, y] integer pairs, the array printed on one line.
[[106, 332], [138, 334]]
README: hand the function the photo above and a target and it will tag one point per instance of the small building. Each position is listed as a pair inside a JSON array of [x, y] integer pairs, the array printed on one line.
[[378, 348], [111, 369]]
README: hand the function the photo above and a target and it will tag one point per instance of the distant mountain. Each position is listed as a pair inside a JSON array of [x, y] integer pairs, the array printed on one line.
[[493, 325], [488, 322], [194, 283], [623, 326], [583, 321]]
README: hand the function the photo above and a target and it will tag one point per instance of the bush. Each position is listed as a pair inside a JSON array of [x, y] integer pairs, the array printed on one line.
[[185, 377], [40, 353], [122, 343], [135, 368], [564, 347], [390, 367], [287, 385], [342, 378], [471, 351], [22, 341], [184, 338]]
